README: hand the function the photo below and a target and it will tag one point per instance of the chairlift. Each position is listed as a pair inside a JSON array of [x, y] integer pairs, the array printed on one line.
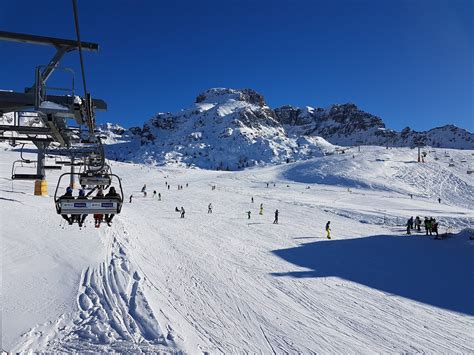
[[74, 206], [22, 165]]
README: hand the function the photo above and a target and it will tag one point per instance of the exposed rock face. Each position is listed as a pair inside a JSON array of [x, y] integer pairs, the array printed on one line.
[[347, 125], [219, 95]]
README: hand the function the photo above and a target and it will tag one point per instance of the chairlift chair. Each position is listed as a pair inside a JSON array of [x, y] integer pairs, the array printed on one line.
[[23, 175], [104, 205]]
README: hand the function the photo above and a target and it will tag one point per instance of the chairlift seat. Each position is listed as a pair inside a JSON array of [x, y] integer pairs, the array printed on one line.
[[86, 206], [73, 164], [27, 177], [53, 167]]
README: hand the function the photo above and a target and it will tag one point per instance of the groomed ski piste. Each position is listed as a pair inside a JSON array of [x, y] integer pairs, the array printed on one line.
[[223, 283]]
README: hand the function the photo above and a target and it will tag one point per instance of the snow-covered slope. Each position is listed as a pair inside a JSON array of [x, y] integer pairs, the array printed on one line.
[[228, 129], [221, 283]]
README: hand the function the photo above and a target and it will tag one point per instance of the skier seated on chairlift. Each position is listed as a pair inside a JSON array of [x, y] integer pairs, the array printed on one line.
[[67, 195], [112, 194], [98, 217], [80, 218]]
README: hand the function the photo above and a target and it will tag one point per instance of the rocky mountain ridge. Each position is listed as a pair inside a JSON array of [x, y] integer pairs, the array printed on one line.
[[234, 129]]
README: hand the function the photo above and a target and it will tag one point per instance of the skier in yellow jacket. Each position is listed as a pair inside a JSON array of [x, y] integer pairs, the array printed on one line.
[[328, 230]]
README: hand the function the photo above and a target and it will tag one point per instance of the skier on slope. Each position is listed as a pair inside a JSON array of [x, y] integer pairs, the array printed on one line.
[[409, 225], [328, 230], [428, 225], [418, 223], [248, 214], [182, 212], [209, 208], [261, 209], [275, 221]]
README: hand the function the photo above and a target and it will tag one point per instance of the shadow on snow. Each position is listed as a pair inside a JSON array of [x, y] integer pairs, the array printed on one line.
[[435, 272]]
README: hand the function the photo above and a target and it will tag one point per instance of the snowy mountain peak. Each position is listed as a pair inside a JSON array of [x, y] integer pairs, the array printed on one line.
[[223, 95]]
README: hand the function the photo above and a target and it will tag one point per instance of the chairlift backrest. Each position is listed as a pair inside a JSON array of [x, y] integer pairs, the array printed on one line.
[[95, 180], [89, 206]]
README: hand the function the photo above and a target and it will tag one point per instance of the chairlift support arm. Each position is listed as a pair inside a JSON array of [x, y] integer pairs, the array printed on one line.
[[62, 46]]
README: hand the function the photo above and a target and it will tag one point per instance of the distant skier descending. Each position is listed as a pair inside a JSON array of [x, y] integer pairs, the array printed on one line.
[[182, 212], [209, 208], [275, 221], [328, 230]]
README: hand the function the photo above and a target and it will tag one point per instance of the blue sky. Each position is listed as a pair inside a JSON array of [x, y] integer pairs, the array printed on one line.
[[408, 61]]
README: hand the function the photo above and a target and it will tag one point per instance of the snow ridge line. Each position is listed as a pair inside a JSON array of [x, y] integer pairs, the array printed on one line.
[[113, 312]]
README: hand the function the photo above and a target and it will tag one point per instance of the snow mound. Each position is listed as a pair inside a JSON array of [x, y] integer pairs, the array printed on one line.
[[391, 170]]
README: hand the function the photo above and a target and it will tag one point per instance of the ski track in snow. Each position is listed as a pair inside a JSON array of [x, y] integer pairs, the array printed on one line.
[[112, 311], [212, 283]]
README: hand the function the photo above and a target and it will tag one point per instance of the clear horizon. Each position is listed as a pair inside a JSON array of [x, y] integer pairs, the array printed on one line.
[[408, 62]]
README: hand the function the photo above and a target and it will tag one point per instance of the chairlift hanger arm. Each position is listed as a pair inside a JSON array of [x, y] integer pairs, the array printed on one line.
[[62, 47], [43, 40]]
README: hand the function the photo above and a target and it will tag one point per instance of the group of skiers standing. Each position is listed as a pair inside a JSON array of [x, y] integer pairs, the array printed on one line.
[[430, 224]]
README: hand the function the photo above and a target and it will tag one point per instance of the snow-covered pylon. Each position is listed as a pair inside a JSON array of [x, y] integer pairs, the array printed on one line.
[[112, 313]]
